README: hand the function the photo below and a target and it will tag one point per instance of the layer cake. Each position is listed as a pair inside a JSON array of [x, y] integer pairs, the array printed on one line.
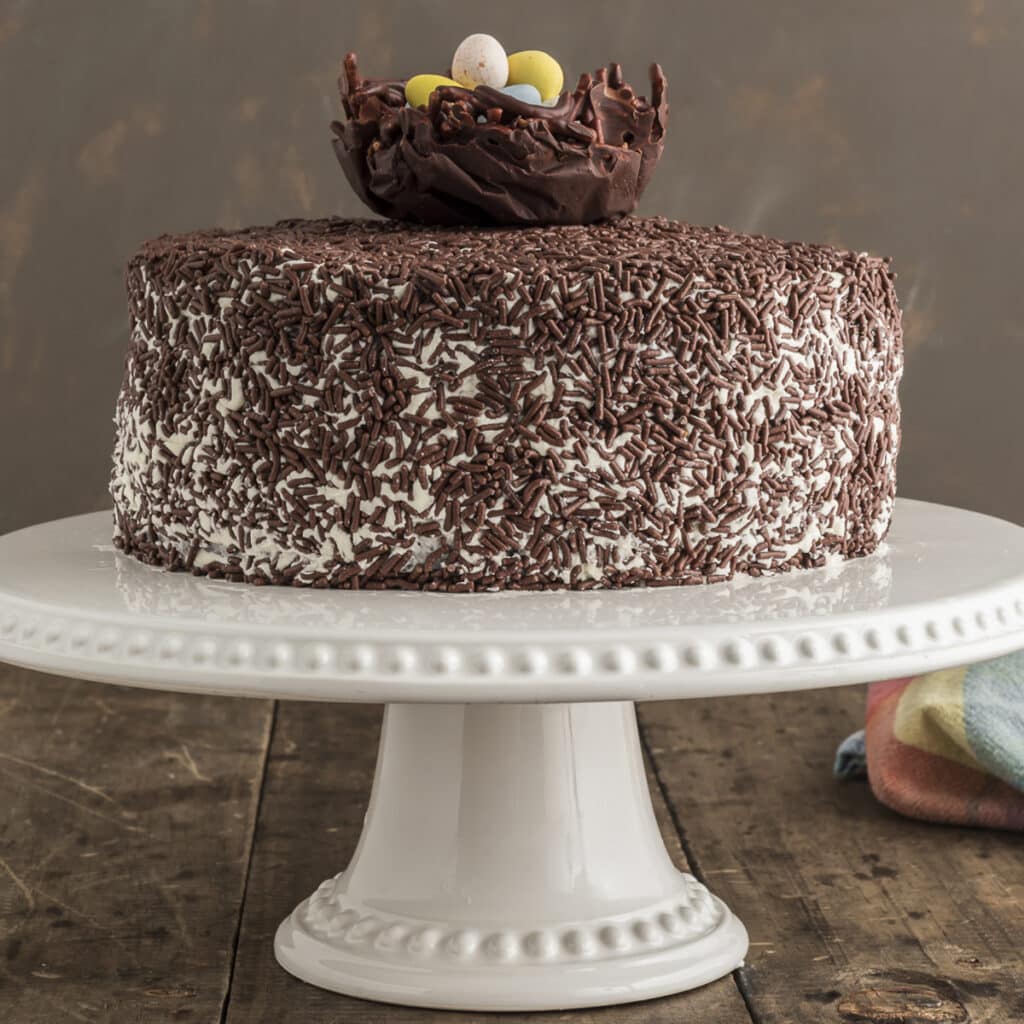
[[367, 404]]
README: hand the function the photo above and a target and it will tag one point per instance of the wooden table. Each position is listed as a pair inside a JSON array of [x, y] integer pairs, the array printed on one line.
[[150, 844]]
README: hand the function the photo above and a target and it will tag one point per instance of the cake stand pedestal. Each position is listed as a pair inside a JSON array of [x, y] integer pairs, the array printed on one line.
[[510, 858]]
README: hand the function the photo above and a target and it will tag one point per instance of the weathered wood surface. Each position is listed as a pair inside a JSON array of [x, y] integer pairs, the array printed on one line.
[[138, 882], [319, 771], [125, 829], [854, 913]]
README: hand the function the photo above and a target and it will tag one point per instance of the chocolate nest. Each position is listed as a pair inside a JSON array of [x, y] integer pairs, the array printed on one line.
[[588, 158]]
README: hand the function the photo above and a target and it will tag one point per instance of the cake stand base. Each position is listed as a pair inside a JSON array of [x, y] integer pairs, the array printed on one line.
[[510, 860]]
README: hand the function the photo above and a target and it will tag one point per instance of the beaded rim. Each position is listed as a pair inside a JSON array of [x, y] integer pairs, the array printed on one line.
[[330, 917], [965, 630]]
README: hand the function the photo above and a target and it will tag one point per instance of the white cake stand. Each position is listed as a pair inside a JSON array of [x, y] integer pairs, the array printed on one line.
[[510, 857]]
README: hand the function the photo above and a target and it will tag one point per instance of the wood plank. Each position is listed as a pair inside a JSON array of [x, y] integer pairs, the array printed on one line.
[[124, 840], [854, 913], [320, 770]]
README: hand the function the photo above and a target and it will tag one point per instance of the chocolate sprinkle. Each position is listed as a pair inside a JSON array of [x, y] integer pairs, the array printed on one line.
[[360, 404]]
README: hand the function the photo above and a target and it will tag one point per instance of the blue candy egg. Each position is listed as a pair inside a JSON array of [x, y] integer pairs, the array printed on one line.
[[525, 93]]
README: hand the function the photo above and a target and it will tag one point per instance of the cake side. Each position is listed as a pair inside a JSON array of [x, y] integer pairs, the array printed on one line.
[[356, 404]]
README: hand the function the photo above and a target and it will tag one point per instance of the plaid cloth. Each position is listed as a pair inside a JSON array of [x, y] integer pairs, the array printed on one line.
[[947, 746]]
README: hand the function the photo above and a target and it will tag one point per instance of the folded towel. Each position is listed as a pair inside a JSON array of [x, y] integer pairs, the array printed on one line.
[[947, 746]]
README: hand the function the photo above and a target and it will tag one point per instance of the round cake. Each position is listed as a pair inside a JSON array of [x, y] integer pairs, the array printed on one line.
[[367, 404]]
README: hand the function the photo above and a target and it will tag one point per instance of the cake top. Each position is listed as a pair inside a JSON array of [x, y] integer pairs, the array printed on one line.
[[644, 246], [497, 141]]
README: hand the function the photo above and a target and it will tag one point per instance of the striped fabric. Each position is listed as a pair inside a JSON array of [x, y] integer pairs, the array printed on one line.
[[949, 746]]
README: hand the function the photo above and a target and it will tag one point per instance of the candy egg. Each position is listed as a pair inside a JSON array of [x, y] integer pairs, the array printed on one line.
[[480, 60], [536, 68], [419, 88], [525, 93]]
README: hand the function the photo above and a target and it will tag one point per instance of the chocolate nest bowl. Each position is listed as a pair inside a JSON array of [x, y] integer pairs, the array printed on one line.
[[483, 158]]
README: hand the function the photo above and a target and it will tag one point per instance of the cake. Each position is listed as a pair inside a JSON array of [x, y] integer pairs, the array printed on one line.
[[469, 407]]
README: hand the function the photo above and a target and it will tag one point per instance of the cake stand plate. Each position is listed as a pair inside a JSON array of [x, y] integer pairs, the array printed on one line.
[[510, 858]]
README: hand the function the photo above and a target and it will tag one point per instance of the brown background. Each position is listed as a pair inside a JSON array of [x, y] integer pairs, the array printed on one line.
[[889, 125]]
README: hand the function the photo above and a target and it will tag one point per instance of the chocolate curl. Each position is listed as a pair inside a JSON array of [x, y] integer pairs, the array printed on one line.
[[659, 87], [355, 90], [557, 117], [454, 95], [348, 82]]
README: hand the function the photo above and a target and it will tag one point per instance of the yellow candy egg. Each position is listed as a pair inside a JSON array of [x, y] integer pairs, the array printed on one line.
[[536, 68], [419, 88]]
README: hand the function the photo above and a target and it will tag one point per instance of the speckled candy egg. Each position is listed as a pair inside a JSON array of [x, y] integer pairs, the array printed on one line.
[[480, 60], [536, 68]]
